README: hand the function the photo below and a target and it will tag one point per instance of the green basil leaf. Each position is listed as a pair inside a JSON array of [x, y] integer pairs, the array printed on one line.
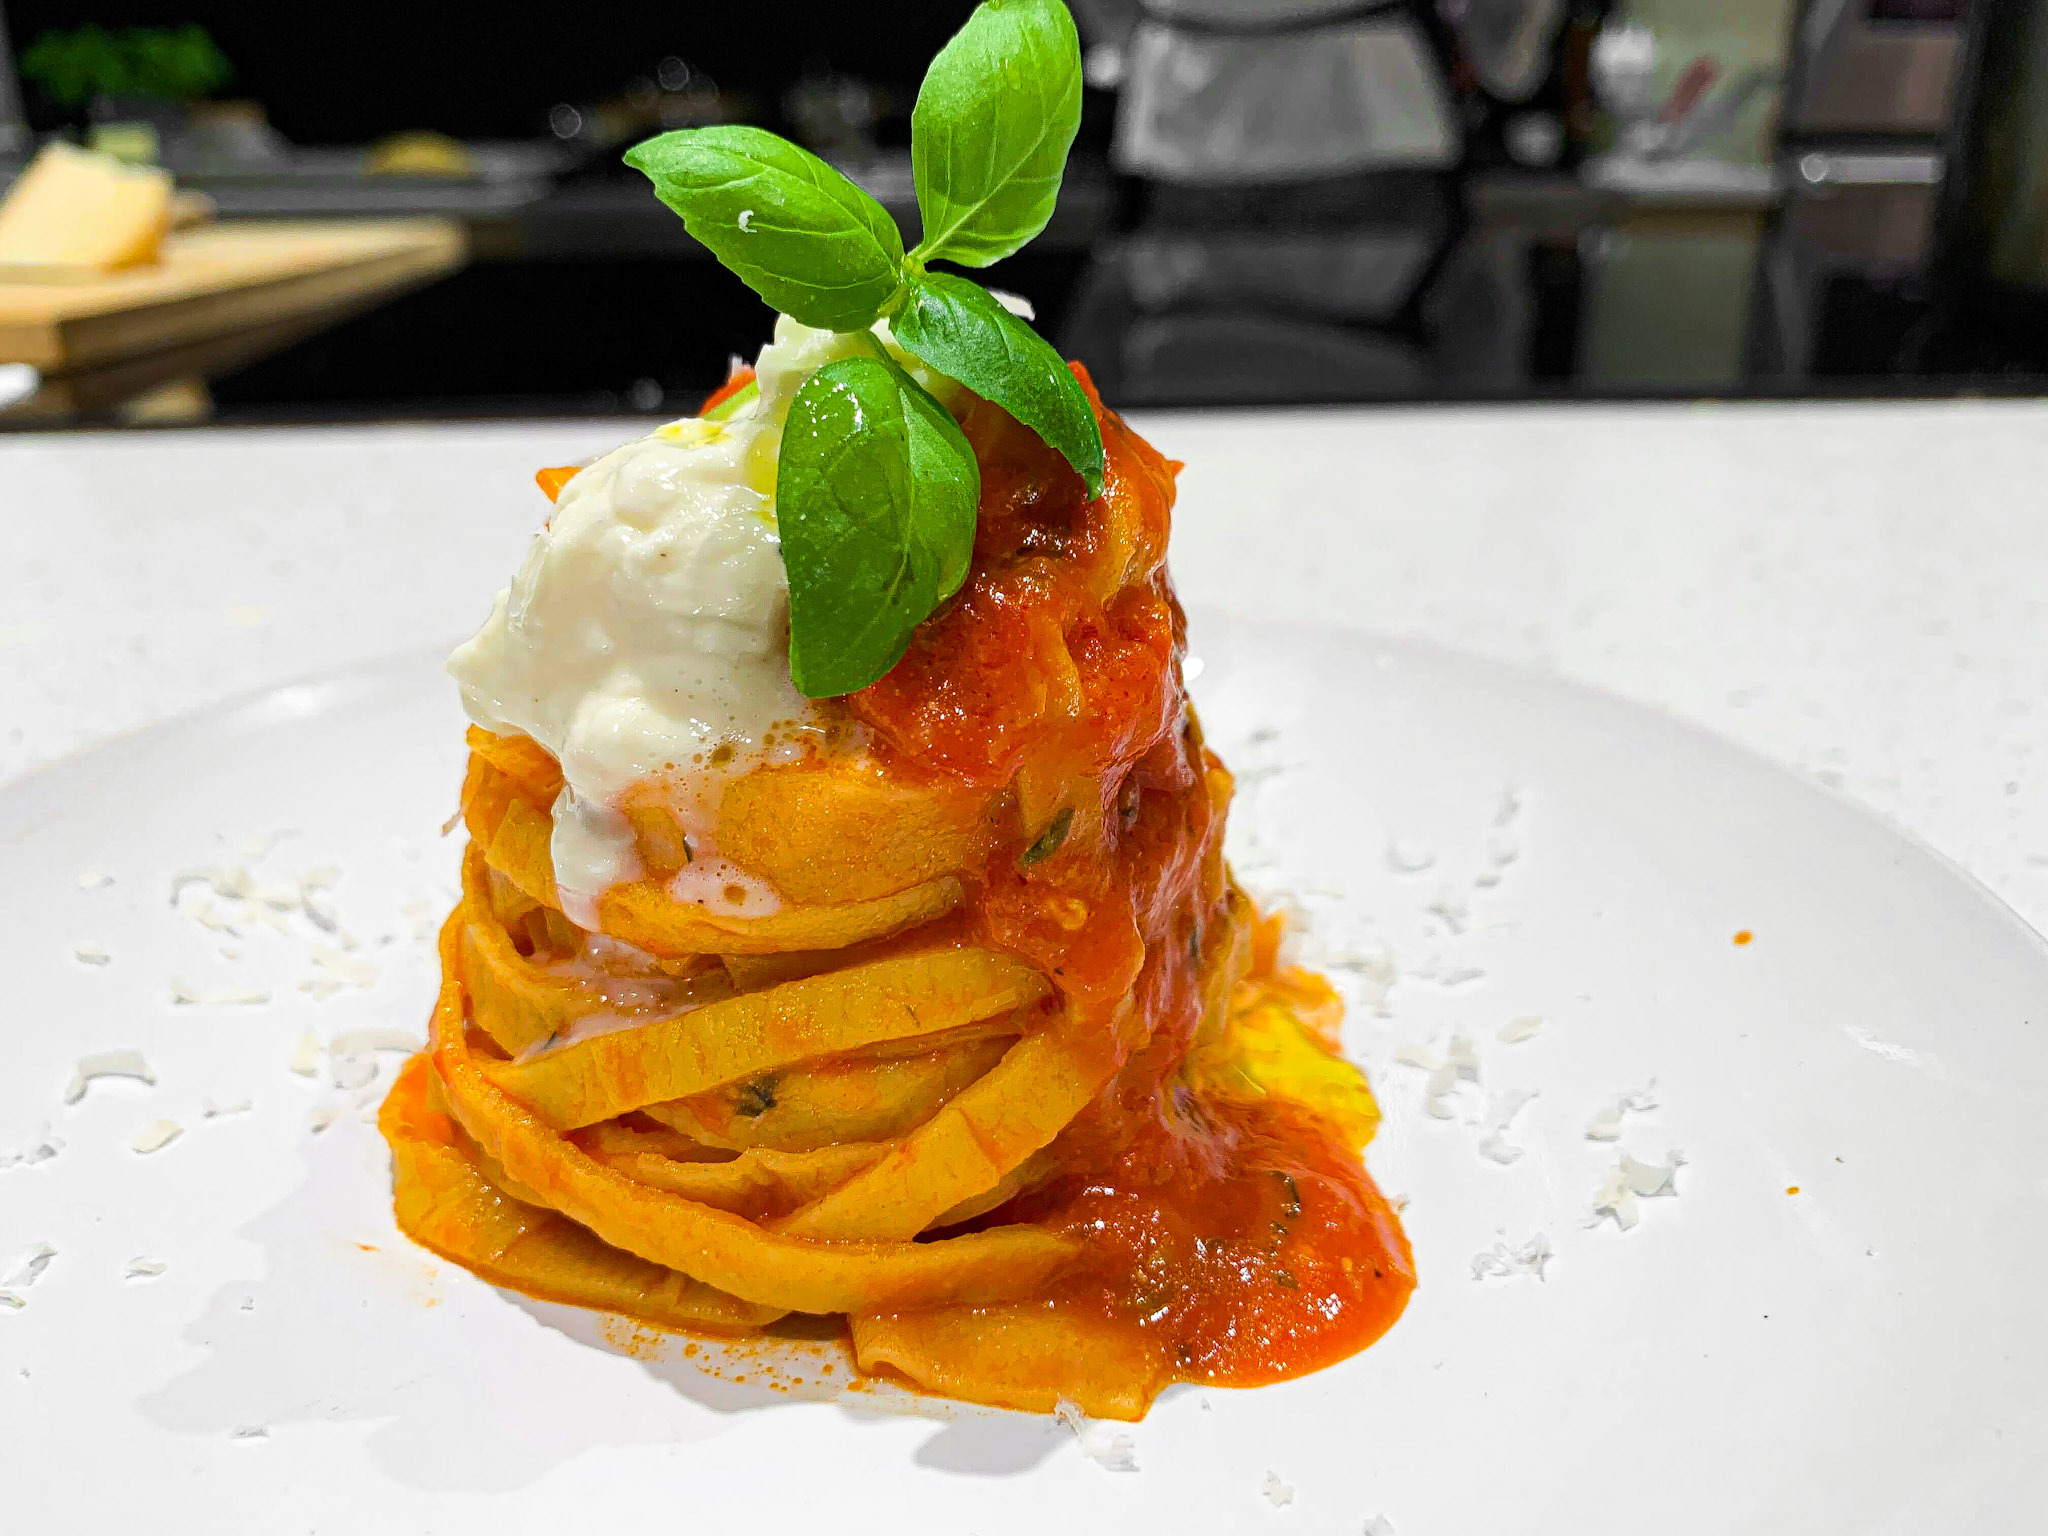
[[795, 231], [876, 490], [989, 136], [963, 331]]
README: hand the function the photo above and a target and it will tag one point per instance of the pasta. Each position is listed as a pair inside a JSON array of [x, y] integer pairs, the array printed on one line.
[[1009, 1074]]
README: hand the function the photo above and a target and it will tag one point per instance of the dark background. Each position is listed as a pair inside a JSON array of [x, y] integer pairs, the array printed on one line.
[[347, 73], [593, 300], [596, 327]]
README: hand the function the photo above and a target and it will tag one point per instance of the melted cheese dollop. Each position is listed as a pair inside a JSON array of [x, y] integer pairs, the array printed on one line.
[[646, 636]]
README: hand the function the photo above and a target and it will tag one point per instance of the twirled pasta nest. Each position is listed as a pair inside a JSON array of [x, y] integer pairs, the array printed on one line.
[[705, 1122]]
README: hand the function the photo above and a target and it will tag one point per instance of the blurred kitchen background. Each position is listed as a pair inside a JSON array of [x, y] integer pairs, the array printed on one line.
[[419, 211]]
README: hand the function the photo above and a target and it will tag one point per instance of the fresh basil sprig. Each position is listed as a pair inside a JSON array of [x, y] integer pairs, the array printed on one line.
[[876, 486], [797, 232], [989, 135]]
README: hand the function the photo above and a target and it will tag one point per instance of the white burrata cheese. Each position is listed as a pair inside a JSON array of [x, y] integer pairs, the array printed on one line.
[[649, 628]]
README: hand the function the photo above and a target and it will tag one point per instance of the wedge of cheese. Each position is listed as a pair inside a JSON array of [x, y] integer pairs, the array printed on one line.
[[73, 215]]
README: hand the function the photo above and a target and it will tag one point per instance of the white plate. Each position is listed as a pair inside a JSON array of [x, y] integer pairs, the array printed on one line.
[[1866, 1355]]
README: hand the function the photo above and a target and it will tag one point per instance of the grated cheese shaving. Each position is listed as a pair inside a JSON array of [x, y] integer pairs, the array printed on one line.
[[1515, 1031], [1459, 1064], [1647, 1179], [1112, 1452], [1632, 1180], [271, 904], [280, 898], [45, 1145], [30, 1267], [1606, 1124], [353, 1071], [142, 1269], [91, 954], [323, 1116], [356, 973], [107, 1064], [352, 1060], [249, 1432], [210, 916], [222, 882], [1436, 1092], [1279, 1493], [306, 1055], [1405, 858], [223, 997], [1450, 910], [1495, 1145], [12, 1302], [1496, 1148], [93, 878], [156, 1135], [1439, 972], [213, 1111], [271, 918], [1502, 1262]]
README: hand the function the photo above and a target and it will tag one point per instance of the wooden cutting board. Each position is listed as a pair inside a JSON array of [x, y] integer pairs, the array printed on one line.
[[219, 280]]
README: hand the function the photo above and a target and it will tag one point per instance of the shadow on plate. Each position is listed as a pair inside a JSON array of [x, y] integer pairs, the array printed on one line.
[[806, 1360], [475, 1389]]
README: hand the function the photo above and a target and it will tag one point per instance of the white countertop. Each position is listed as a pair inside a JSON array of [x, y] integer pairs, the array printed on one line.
[[1859, 590]]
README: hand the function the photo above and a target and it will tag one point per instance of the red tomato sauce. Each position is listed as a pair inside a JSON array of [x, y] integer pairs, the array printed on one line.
[[1242, 1238], [1260, 1252]]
